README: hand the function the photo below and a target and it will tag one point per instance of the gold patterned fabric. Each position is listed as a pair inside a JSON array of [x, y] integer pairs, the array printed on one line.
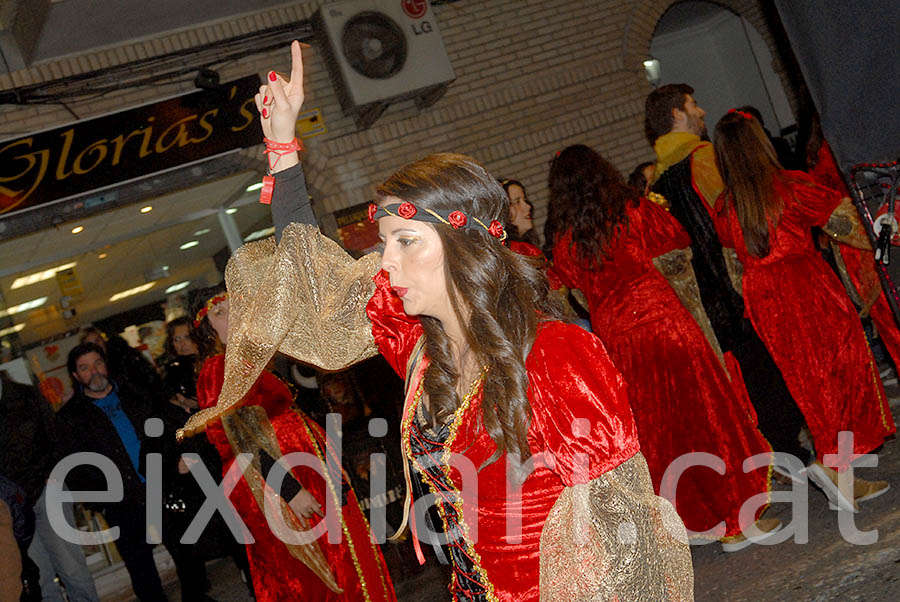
[[677, 269], [844, 226], [249, 431], [614, 539], [305, 297]]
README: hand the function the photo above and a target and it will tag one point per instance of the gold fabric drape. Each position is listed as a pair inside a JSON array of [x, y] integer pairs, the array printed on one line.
[[305, 297], [676, 267], [249, 431], [614, 539]]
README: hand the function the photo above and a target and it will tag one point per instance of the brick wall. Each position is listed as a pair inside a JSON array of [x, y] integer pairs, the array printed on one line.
[[532, 77]]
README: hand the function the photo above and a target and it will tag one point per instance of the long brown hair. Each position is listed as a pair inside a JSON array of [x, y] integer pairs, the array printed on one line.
[[587, 196], [499, 297], [206, 338], [749, 167]]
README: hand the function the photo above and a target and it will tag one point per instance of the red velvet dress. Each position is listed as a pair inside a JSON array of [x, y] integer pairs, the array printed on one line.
[[579, 411], [683, 400], [802, 313], [860, 263], [278, 576]]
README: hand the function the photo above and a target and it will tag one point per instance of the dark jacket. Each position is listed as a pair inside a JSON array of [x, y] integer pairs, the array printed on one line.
[[28, 445], [83, 427]]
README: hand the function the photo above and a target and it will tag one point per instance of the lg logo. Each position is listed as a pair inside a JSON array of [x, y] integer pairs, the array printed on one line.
[[414, 9]]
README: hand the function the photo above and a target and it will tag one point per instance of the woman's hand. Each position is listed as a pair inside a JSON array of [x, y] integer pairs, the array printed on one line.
[[279, 100], [305, 505]]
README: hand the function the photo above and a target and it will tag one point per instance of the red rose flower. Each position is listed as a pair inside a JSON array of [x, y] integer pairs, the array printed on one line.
[[406, 210], [457, 219], [373, 209], [495, 229]]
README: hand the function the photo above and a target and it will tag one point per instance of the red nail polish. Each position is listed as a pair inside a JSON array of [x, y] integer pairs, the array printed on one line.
[[265, 113], [272, 76], [265, 99]]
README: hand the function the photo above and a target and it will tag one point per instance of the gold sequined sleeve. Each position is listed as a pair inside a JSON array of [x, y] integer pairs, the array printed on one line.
[[676, 267], [305, 297], [614, 539], [844, 226]]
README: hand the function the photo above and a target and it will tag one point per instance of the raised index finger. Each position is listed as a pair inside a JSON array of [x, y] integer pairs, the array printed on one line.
[[296, 63]]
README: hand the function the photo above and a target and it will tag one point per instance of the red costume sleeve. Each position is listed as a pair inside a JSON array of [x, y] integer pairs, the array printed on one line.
[[394, 331], [580, 411], [209, 385], [659, 231], [826, 171], [564, 268], [806, 202]]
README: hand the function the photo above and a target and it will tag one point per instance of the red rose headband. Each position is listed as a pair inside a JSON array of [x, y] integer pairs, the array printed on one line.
[[743, 114], [456, 219], [209, 305]]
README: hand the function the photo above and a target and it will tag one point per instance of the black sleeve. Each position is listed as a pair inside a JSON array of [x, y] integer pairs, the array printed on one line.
[[290, 487], [290, 201]]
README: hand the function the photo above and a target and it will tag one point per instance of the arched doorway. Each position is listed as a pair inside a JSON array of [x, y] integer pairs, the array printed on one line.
[[724, 58]]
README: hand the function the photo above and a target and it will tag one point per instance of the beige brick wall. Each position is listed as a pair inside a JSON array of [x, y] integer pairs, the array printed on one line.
[[532, 77]]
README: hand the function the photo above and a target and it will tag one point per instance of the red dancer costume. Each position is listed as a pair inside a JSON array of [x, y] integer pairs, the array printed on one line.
[[799, 308], [683, 399], [860, 263], [590, 526], [356, 564]]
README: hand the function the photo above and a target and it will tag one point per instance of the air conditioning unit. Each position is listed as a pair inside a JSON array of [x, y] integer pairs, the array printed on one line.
[[382, 51]]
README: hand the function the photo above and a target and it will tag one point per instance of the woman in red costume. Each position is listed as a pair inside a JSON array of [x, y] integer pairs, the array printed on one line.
[[860, 263], [797, 304], [608, 242], [518, 423], [267, 426]]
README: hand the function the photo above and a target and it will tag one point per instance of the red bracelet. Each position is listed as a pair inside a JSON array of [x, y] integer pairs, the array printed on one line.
[[293, 145], [280, 149]]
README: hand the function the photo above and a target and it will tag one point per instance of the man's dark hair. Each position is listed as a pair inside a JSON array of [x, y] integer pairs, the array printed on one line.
[[78, 351], [636, 178], [658, 119]]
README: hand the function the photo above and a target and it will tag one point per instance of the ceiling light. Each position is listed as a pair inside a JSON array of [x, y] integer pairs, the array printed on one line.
[[102, 256], [231, 210], [147, 209], [201, 232], [77, 229], [39, 276], [133, 291], [177, 287], [22, 307], [260, 234], [189, 244], [253, 187], [11, 329]]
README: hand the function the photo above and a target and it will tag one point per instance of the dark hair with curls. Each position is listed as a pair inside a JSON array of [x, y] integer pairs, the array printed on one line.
[[749, 167], [531, 236], [658, 118], [171, 325], [205, 336], [498, 296], [587, 196]]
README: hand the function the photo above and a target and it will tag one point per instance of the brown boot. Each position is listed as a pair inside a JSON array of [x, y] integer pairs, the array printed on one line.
[[827, 480], [759, 532]]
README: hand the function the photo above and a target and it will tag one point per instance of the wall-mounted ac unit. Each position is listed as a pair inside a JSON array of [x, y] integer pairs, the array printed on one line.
[[380, 51]]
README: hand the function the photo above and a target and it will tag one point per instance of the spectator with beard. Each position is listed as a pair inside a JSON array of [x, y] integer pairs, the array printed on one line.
[[108, 417], [124, 362]]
